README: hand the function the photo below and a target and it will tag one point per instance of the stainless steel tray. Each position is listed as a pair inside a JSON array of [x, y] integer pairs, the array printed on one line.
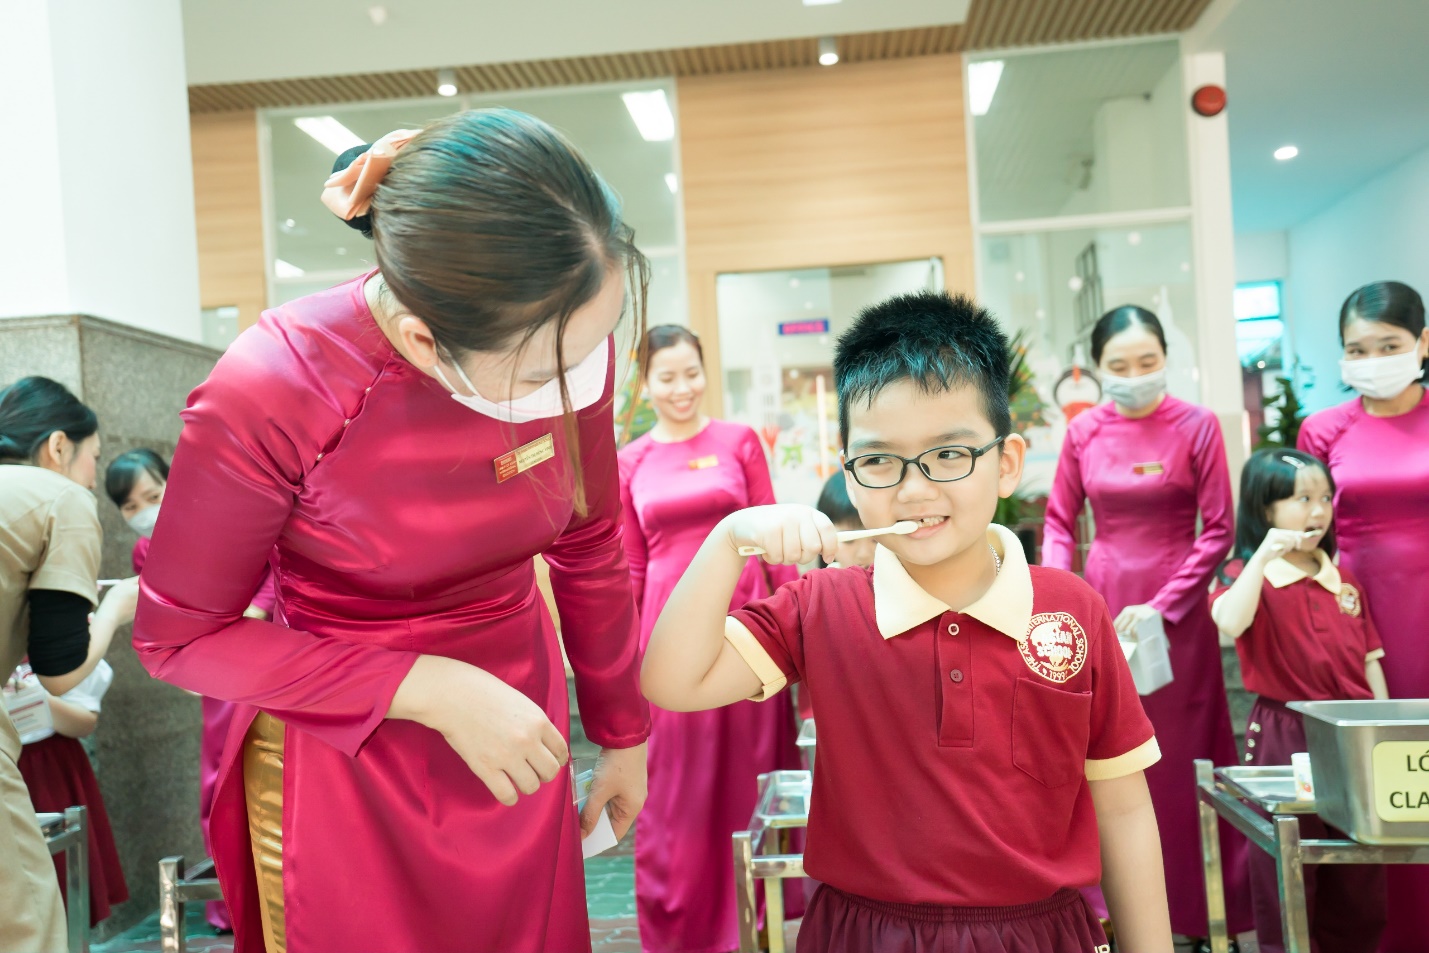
[[1269, 787], [808, 734], [784, 802]]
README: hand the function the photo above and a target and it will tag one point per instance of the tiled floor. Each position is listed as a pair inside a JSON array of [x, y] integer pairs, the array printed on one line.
[[610, 897]]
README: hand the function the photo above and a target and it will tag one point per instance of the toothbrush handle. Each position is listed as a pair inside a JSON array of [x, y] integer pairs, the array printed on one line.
[[847, 536]]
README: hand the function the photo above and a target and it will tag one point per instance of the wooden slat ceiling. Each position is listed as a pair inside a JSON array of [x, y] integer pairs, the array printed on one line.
[[991, 24]]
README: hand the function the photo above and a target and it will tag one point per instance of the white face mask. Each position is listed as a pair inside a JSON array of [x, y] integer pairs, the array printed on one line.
[[1383, 378], [585, 381], [1135, 393], [143, 521]]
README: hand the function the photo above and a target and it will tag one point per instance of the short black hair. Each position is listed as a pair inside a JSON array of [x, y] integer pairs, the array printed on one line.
[[124, 472], [835, 504], [937, 340], [1387, 302], [1118, 320], [33, 408], [1268, 478]]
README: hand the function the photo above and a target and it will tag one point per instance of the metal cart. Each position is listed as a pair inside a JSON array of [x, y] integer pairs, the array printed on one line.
[[762, 853], [177, 888], [69, 832], [808, 740], [1230, 793]]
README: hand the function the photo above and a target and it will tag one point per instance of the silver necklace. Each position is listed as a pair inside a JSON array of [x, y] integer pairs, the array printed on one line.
[[996, 560]]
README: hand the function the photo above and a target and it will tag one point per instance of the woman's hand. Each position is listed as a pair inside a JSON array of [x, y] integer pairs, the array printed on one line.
[[503, 736], [1277, 543], [1131, 617], [620, 782], [119, 603], [789, 533]]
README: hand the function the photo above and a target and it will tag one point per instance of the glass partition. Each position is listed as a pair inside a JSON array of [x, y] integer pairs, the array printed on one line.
[[1052, 286], [1079, 131], [777, 331]]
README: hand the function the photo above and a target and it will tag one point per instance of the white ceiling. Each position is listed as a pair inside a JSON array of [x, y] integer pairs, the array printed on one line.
[[1347, 81], [228, 41]]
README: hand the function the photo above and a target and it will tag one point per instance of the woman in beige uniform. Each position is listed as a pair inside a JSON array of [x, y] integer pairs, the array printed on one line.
[[49, 567]]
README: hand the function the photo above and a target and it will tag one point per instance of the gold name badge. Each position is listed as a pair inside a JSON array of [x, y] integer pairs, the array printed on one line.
[[704, 463], [1148, 469], [1401, 781], [524, 458]]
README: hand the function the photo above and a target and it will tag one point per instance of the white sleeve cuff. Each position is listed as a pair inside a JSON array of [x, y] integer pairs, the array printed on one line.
[[1137, 759], [770, 678]]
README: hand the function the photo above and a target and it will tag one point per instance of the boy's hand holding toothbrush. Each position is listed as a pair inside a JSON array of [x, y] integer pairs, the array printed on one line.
[[791, 533]]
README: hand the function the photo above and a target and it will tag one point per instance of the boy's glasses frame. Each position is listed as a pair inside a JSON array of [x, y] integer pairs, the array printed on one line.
[[973, 454]]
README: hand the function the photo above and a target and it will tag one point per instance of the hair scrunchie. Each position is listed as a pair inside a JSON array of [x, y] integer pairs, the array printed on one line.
[[357, 173]]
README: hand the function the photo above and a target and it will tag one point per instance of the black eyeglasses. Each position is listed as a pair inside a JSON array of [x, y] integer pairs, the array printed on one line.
[[879, 471]]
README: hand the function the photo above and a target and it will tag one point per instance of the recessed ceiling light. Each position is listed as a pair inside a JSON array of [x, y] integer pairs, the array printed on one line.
[[828, 51], [283, 269], [983, 78], [1286, 152], [672, 182], [821, 3], [378, 15], [1133, 238], [331, 133], [446, 82], [651, 112], [341, 250]]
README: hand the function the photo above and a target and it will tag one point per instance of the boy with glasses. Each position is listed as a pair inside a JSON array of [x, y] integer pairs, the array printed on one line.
[[977, 721]]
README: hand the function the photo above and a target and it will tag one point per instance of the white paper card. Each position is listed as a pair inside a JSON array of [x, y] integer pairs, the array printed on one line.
[[602, 836], [601, 839], [1150, 656]]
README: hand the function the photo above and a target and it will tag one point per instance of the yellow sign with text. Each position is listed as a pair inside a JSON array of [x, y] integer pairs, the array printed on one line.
[[1401, 781]]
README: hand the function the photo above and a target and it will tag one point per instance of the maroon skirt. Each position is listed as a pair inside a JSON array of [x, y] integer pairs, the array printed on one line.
[[59, 776], [1063, 923]]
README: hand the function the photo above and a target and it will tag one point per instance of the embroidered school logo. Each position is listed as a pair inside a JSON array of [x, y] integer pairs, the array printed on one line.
[[1350, 601], [1055, 647]]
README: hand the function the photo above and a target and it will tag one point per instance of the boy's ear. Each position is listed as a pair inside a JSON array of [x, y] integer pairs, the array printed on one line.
[[1009, 464]]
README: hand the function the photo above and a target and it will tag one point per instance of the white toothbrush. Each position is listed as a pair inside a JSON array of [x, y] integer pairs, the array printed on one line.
[[902, 528]]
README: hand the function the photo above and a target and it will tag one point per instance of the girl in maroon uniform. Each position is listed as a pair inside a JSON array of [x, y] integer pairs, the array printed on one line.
[[1303, 633]]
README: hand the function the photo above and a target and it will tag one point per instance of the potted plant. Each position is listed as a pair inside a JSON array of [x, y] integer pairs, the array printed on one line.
[[1285, 432]]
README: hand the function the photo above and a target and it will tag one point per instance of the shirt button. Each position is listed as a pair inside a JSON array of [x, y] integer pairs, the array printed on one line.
[[956, 675], [346, 422], [953, 629], [320, 456], [368, 391]]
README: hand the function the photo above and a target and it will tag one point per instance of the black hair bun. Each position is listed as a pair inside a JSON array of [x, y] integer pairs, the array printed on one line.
[[363, 223]]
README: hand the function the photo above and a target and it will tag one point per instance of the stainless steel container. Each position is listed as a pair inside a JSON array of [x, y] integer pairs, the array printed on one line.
[[1371, 765]]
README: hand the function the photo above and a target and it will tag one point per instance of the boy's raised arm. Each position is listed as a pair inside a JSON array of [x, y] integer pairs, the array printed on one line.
[[688, 664]]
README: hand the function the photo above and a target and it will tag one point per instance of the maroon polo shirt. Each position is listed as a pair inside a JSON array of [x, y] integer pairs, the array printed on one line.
[[954, 747], [1311, 636]]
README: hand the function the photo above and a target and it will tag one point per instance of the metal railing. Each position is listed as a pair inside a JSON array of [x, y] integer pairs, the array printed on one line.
[[69, 832], [177, 888]]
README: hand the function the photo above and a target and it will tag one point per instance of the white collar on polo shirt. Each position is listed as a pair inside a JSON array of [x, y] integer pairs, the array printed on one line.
[[900, 604], [1281, 572]]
